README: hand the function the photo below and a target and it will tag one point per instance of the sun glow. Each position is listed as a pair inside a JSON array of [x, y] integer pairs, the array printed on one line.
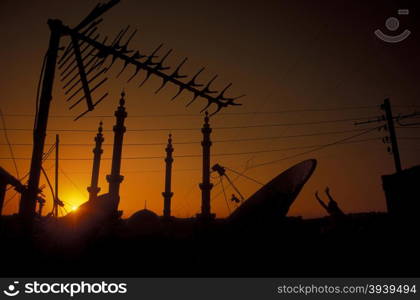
[[74, 208]]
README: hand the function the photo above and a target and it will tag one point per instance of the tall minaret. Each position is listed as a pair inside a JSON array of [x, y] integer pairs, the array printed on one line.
[[93, 189], [114, 179], [167, 195], [206, 186]]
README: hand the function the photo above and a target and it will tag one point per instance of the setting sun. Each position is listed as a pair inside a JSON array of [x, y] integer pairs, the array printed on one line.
[[74, 208]]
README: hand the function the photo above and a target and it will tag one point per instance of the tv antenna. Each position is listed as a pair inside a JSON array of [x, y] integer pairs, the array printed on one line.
[[82, 70]]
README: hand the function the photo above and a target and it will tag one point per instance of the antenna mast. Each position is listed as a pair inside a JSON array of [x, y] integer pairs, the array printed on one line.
[[57, 142], [81, 64], [28, 201]]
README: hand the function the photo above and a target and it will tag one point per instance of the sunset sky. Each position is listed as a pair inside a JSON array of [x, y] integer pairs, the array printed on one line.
[[298, 62]]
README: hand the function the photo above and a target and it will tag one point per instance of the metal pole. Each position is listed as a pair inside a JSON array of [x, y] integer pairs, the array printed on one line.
[[392, 135], [28, 201], [57, 142]]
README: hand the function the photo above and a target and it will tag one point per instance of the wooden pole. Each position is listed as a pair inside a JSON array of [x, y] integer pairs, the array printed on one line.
[[392, 135]]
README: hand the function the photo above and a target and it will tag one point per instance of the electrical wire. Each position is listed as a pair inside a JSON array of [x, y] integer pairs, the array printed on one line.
[[215, 141], [49, 183], [10, 199], [341, 141], [245, 176], [219, 114], [8, 143], [224, 193], [44, 157], [199, 155], [71, 181], [215, 128]]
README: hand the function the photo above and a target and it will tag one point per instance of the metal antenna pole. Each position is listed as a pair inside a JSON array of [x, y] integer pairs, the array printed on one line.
[[28, 201], [57, 142], [392, 135]]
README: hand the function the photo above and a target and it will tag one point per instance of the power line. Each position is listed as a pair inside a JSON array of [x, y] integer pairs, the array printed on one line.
[[49, 183], [221, 114], [67, 203], [10, 199], [350, 108], [224, 193], [342, 141], [8, 143], [215, 141], [216, 154], [245, 176], [72, 182], [409, 138], [197, 129], [141, 171], [44, 157]]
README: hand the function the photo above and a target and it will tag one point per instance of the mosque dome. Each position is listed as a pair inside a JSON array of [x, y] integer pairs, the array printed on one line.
[[144, 215], [144, 221]]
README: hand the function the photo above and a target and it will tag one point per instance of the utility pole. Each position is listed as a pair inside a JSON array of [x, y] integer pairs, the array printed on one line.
[[27, 203], [206, 185], [93, 189], [167, 195], [57, 142], [392, 135], [392, 138], [115, 179]]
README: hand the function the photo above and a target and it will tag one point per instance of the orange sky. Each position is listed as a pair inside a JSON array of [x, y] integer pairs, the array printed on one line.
[[283, 56]]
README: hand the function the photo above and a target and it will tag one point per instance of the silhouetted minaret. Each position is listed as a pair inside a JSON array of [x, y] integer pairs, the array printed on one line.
[[206, 186], [93, 189], [114, 179], [167, 195]]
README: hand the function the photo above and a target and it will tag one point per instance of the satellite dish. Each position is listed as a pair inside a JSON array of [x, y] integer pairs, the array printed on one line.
[[274, 199]]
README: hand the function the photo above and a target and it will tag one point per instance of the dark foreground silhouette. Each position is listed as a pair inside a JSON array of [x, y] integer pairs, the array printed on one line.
[[257, 239], [372, 244]]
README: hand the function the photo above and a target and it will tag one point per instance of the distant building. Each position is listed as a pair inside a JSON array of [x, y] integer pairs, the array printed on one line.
[[402, 192]]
